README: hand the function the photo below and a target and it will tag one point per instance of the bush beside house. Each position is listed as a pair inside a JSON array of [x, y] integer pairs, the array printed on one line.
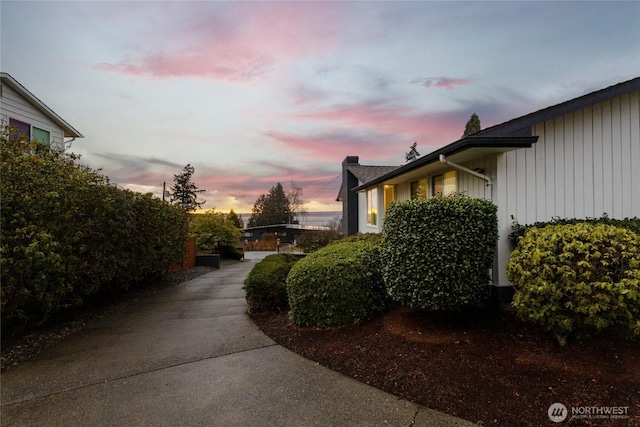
[[265, 285], [337, 285], [437, 253], [578, 279], [67, 234]]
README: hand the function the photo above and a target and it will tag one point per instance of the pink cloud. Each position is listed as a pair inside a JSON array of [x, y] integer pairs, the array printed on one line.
[[234, 42], [397, 122], [442, 82]]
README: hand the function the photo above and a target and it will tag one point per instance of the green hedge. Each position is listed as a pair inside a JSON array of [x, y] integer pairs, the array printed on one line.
[[337, 285], [578, 278], [518, 230], [437, 253], [265, 285], [67, 234]]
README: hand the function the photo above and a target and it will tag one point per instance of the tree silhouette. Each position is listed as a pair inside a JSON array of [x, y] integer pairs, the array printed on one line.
[[277, 207], [473, 125], [413, 153], [184, 192]]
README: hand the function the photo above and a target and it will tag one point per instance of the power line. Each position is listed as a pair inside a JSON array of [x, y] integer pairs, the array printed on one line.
[[324, 187]]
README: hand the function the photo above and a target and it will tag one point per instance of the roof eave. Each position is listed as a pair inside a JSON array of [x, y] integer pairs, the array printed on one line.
[[510, 142], [525, 122], [68, 130]]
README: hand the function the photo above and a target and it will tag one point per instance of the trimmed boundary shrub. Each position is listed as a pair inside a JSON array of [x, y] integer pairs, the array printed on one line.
[[578, 279], [337, 285], [518, 230], [265, 285], [67, 234], [437, 252]]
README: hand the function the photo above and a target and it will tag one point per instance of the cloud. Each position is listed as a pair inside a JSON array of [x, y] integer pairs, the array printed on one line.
[[231, 42], [387, 122], [441, 82], [331, 146]]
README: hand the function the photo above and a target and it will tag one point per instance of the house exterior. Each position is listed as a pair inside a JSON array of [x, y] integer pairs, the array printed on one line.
[[577, 159], [23, 110]]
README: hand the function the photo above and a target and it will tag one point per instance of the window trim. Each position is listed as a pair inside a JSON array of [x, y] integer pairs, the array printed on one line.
[[372, 206], [444, 178]]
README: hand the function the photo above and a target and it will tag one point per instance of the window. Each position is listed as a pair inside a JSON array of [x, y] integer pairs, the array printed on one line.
[[445, 184], [372, 206], [41, 136], [419, 189], [23, 128], [31, 132], [389, 195]]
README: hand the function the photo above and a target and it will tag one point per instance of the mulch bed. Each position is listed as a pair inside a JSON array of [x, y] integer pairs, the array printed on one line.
[[489, 368]]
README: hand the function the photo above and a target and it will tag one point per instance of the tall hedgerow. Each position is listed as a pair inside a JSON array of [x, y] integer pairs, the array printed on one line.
[[68, 234], [437, 253]]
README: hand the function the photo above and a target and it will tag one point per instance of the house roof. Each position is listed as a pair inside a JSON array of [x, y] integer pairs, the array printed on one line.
[[522, 125], [501, 138], [367, 174], [462, 150], [68, 130]]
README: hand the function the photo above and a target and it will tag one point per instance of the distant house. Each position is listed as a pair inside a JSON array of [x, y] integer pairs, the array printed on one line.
[[23, 110], [577, 159]]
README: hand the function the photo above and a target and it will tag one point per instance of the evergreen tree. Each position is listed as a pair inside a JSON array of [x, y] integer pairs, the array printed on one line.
[[184, 192], [236, 219], [473, 125], [413, 153], [276, 207]]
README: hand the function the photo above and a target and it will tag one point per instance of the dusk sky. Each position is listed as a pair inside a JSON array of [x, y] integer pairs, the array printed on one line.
[[255, 93]]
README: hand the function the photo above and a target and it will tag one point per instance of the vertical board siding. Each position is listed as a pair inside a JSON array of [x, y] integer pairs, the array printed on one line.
[[607, 159], [584, 165], [587, 166], [634, 140], [569, 169]]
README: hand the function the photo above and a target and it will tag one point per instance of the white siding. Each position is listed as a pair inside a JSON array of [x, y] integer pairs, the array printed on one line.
[[583, 165], [14, 106]]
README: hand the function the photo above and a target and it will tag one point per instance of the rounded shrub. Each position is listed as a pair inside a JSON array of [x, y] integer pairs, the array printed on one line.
[[337, 285], [578, 278], [265, 285], [437, 253]]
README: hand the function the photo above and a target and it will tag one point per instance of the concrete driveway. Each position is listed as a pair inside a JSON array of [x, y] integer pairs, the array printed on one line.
[[191, 356]]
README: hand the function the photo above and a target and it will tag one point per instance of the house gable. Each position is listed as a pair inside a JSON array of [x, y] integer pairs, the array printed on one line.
[[17, 103]]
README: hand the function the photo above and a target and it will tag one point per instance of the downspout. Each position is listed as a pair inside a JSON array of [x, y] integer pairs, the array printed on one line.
[[444, 160], [68, 147]]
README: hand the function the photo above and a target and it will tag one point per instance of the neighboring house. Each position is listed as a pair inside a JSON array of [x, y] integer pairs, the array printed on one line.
[[577, 159], [21, 109]]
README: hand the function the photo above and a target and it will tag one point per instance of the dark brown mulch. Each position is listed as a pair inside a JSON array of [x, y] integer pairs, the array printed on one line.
[[489, 368]]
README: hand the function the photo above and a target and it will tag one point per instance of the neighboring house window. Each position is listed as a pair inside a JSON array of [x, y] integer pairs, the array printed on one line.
[[445, 184], [372, 206], [23, 128], [389, 195], [32, 133], [41, 136], [419, 189]]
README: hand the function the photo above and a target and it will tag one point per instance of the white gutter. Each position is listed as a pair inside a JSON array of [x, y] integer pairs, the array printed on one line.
[[444, 160]]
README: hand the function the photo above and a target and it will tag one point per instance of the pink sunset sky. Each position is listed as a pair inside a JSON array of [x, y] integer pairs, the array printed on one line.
[[255, 93]]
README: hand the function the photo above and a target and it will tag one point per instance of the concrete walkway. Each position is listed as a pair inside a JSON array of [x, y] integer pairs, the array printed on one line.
[[191, 356]]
